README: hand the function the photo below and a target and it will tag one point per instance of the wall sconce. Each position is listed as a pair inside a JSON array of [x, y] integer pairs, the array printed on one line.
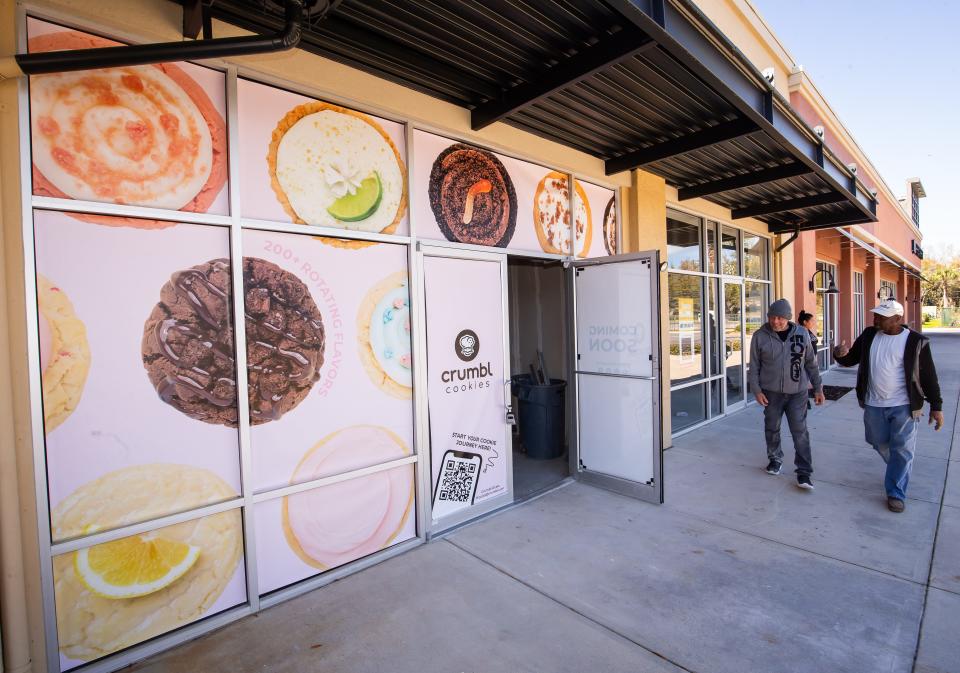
[[831, 288]]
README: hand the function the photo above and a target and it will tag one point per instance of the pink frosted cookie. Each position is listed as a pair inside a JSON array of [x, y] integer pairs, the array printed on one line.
[[335, 524]]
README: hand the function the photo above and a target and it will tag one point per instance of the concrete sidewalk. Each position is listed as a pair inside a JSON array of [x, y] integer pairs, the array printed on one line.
[[738, 571]]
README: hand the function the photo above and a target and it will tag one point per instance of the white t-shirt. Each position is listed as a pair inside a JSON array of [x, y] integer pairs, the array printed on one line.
[[888, 381]]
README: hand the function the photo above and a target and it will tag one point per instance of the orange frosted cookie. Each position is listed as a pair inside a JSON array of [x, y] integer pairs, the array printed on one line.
[[138, 135]]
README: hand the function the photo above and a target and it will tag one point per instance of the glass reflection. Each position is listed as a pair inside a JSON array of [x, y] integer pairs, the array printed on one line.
[[683, 245], [733, 341], [686, 327]]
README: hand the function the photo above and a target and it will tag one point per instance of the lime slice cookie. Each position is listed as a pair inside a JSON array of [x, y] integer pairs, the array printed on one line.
[[361, 204], [116, 594], [335, 167], [64, 353], [383, 336]]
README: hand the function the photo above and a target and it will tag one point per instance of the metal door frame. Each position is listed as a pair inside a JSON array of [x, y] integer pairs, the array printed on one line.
[[421, 401], [627, 487], [724, 281]]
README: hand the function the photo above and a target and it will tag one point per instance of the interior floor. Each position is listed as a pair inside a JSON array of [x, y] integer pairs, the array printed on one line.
[[531, 476], [538, 326]]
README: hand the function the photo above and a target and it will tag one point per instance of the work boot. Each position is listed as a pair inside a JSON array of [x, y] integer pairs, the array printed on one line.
[[895, 504]]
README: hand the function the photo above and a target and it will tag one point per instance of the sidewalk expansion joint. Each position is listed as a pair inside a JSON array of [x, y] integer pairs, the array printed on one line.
[[572, 609], [936, 537]]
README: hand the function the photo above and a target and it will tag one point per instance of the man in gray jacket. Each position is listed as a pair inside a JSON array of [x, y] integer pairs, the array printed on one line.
[[782, 364]]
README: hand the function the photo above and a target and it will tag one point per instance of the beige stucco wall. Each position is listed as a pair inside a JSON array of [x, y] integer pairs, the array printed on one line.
[[20, 614], [645, 229]]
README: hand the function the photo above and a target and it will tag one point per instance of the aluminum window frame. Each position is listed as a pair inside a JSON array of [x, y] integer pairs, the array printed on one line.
[[236, 224], [706, 222]]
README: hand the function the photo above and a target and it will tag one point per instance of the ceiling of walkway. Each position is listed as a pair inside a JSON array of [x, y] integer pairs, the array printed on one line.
[[639, 84]]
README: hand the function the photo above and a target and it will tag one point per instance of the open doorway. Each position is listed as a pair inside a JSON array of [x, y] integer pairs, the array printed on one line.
[[539, 355]]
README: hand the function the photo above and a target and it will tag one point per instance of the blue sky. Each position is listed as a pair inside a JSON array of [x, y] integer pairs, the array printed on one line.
[[891, 72]]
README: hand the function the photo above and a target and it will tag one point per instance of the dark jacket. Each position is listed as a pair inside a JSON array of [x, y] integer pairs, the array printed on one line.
[[921, 375], [783, 366]]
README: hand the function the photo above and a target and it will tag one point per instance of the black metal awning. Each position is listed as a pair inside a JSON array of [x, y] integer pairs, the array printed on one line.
[[649, 84]]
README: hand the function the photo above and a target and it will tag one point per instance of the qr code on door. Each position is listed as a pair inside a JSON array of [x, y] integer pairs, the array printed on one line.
[[457, 481]]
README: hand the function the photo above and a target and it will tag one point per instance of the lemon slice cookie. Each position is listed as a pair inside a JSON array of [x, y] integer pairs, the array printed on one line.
[[64, 353], [116, 594]]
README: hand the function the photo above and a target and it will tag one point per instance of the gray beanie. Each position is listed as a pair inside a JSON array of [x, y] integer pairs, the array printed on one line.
[[782, 308]]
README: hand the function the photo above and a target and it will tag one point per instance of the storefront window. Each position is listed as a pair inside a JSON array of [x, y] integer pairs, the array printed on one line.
[[756, 302], [730, 252], [683, 242], [754, 256], [716, 398], [686, 327], [713, 326], [688, 406], [888, 290], [734, 308], [712, 254]]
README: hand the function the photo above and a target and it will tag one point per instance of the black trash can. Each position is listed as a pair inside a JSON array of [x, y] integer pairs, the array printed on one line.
[[541, 416]]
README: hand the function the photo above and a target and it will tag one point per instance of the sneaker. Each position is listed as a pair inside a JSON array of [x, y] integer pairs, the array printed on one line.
[[895, 505], [803, 481], [773, 467]]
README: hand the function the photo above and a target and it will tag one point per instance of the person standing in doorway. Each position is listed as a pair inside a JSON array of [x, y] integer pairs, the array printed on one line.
[[809, 322], [783, 364], [896, 375]]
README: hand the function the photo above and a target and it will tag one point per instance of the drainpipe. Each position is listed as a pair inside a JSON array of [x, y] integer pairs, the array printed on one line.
[[142, 54], [793, 237]]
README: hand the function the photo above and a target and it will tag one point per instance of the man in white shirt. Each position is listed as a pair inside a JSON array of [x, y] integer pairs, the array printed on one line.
[[896, 375]]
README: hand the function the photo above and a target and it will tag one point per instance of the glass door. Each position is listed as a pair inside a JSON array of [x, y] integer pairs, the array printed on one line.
[[826, 316], [467, 375], [735, 388], [616, 310]]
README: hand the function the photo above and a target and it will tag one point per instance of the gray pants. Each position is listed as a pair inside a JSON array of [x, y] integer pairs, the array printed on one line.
[[795, 406]]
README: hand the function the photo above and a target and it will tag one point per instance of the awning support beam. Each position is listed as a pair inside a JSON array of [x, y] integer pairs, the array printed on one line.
[[697, 43], [688, 143], [826, 222], [744, 180], [613, 49], [789, 204]]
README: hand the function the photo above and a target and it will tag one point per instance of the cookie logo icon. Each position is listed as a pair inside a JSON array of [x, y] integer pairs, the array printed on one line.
[[467, 345]]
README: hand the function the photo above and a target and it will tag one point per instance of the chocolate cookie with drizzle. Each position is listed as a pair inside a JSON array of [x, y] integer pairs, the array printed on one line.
[[472, 197], [285, 339], [188, 344]]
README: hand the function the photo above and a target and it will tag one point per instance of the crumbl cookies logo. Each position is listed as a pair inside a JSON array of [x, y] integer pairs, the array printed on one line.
[[477, 377], [467, 345]]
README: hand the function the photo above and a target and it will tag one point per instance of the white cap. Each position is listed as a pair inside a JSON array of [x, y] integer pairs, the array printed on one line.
[[888, 308]]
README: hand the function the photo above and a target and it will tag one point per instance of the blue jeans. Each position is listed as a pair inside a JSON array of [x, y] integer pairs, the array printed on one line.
[[893, 433]]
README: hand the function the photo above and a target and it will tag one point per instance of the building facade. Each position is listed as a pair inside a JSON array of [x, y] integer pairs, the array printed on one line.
[[363, 237]]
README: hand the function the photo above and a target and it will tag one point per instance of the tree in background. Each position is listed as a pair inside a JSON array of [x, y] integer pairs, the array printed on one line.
[[941, 284]]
